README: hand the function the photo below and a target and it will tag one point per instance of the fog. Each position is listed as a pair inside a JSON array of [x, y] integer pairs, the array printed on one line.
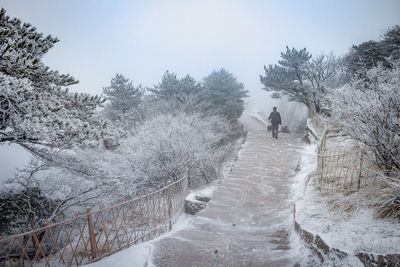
[[143, 39], [11, 157]]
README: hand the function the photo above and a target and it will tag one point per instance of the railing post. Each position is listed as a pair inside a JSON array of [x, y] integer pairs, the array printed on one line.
[[187, 181], [294, 210], [169, 206], [359, 174], [92, 238], [322, 158]]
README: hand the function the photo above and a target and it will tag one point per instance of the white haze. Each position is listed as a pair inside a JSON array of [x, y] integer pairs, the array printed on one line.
[[143, 39]]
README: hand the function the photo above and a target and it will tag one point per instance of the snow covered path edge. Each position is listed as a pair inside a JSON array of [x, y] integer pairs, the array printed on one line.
[[353, 240]]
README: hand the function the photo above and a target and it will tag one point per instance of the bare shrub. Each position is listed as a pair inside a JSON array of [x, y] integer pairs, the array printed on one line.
[[388, 201]]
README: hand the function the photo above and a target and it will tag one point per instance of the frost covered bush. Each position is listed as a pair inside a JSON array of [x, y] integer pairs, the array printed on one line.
[[388, 201], [166, 145], [369, 110], [57, 188], [193, 104], [24, 208], [161, 150]]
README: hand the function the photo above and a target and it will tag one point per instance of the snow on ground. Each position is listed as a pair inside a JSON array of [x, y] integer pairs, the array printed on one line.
[[352, 232], [206, 192], [259, 116], [140, 255], [341, 141]]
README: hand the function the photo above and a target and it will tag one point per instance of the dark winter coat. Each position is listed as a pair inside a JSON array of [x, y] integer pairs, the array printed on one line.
[[275, 117]]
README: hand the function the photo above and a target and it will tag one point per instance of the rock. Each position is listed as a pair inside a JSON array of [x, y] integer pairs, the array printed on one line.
[[202, 198], [379, 260], [391, 259], [340, 254], [285, 129], [297, 227], [307, 237], [194, 206], [321, 244], [367, 259], [317, 245]]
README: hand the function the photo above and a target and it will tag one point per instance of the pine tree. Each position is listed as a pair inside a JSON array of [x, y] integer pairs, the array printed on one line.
[[172, 88], [225, 94], [372, 53], [122, 94], [288, 78], [36, 108], [302, 78], [124, 102]]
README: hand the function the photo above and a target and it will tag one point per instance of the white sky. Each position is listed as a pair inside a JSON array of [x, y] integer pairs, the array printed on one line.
[[143, 39]]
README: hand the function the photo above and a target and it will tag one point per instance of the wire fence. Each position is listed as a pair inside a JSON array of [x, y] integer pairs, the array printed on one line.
[[344, 170], [98, 233]]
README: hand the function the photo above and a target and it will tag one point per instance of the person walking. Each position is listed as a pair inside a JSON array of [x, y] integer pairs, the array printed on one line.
[[275, 118]]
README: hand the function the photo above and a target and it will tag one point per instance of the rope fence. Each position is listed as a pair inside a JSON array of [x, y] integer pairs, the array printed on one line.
[[98, 233], [344, 170]]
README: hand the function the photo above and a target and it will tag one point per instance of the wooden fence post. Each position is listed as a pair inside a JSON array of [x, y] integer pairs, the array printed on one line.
[[322, 157], [359, 174], [294, 210], [169, 206], [92, 238], [187, 180]]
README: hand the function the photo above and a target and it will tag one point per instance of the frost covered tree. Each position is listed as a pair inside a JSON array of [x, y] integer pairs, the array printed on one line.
[[369, 110], [225, 95], [302, 78], [174, 95], [36, 108], [173, 88], [372, 53], [124, 102], [325, 73], [39, 113], [288, 78]]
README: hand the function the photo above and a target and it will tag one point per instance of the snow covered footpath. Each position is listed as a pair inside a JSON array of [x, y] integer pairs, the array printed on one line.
[[354, 232]]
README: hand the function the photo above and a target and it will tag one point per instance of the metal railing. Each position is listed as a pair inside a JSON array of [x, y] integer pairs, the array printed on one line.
[[89, 237]]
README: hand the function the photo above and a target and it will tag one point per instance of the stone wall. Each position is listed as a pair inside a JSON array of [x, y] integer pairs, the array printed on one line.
[[323, 250]]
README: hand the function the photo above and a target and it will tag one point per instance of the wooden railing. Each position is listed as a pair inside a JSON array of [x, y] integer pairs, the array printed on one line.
[[344, 170], [100, 232]]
